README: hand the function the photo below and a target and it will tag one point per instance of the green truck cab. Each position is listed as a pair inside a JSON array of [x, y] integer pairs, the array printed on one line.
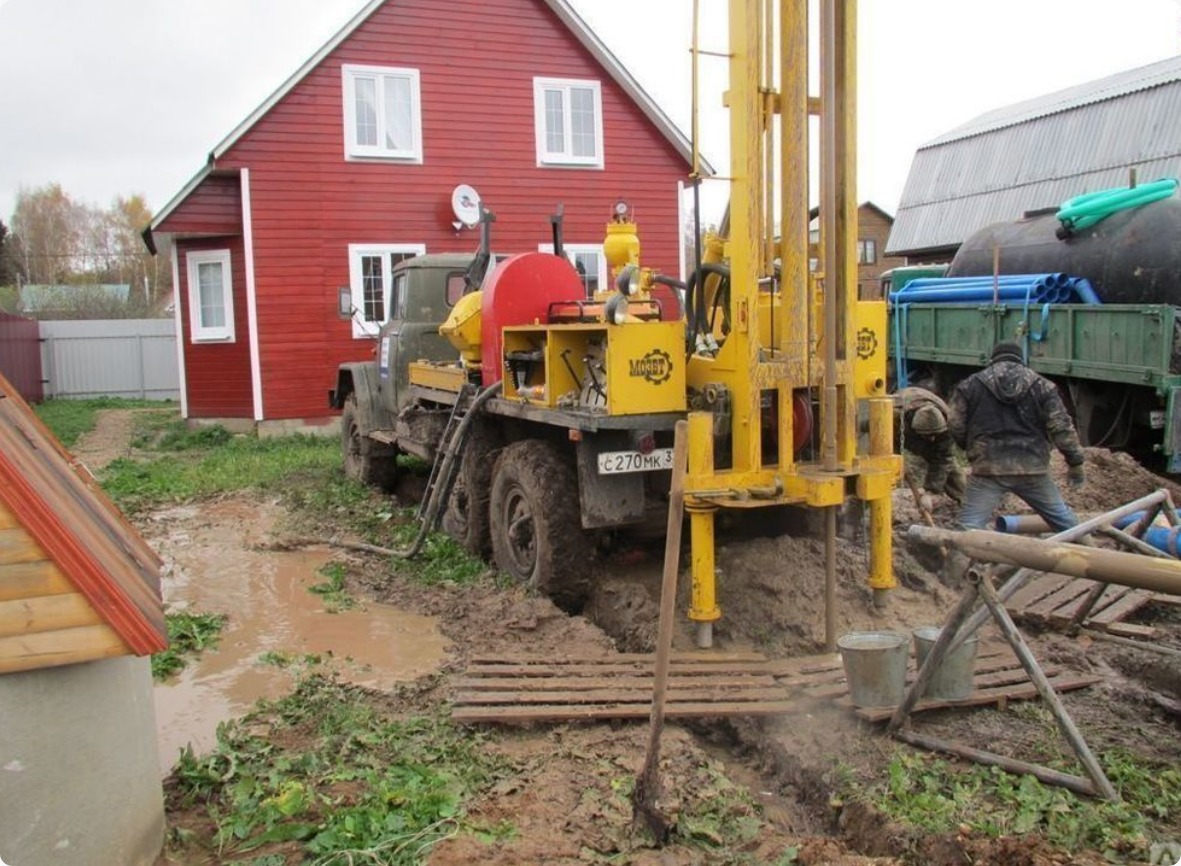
[[372, 395]]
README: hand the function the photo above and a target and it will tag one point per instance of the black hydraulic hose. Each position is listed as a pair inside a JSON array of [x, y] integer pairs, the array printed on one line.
[[430, 514], [679, 291]]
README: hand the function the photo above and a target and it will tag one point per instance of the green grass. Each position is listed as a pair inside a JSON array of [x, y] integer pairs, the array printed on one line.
[[332, 589], [69, 419], [189, 634], [239, 463], [934, 796], [328, 772]]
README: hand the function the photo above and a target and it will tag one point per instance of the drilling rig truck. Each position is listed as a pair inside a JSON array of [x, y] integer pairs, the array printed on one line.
[[551, 417]]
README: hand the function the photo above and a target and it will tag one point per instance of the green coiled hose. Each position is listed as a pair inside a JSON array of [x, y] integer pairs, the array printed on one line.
[[1083, 211]]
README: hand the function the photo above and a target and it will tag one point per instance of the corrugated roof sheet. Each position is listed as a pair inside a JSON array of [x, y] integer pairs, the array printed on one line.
[[60, 506], [1039, 153]]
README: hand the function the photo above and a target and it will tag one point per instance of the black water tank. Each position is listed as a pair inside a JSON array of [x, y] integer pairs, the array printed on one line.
[[1131, 257]]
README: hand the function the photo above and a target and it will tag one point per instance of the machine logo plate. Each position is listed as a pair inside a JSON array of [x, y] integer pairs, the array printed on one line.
[[867, 343], [656, 367]]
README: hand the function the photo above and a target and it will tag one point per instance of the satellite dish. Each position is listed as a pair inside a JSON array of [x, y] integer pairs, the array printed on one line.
[[465, 202]]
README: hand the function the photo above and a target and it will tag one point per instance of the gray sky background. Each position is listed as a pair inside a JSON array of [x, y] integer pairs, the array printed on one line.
[[115, 97]]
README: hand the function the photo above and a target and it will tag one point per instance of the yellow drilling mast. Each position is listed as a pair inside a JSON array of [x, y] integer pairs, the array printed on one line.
[[794, 334]]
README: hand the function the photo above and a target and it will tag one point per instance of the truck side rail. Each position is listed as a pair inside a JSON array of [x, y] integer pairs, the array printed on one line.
[[1134, 344]]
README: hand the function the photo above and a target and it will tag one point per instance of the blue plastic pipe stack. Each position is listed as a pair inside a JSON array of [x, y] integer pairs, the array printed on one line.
[[1034, 289]]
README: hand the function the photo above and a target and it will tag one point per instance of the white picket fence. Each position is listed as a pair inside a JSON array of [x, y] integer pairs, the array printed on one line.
[[110, 358]]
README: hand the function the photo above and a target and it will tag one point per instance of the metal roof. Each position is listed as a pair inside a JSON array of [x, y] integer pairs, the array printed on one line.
[[1039, 153], [566, 15], [60, 506]]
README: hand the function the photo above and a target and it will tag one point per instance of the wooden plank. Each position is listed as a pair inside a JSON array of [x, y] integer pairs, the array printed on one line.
[[46, 613], [16, 546], [584, 668], [1128, 604], [708, 657], [1129, 629], [674, 710], [977, 698], [48, 649], [1066, 612], [29, 579], [625, 682], [615, 696], [985, 663], [1170, 600], [1065, 594], [1036, 590], [1005, 676]]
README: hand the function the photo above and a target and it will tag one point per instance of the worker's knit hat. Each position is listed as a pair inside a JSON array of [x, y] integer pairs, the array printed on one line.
[[1007, 351], [928, 421]]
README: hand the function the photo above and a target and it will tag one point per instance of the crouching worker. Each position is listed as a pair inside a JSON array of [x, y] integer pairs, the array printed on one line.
[[922, 430], [1005, 417]]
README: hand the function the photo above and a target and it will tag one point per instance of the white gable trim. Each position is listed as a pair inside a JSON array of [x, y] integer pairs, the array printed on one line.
[[566, 15]]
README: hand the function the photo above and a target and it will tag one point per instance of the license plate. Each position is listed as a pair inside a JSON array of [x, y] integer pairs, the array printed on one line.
[[615, 462]]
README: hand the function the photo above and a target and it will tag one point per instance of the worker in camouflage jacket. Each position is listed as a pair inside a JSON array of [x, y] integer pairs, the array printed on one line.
[[1005, 417], [921, 431]]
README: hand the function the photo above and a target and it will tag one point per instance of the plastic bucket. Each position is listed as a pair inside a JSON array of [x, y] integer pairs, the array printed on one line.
[[953, 678], [875, 666]]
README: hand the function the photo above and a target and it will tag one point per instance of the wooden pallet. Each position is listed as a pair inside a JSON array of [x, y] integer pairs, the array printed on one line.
[[1054, 599], [998, 678], [516, 688], [619, 686]]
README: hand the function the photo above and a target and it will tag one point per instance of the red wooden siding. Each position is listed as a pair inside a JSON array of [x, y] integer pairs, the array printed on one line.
[[477, 60], [213, 208], [217, 375], [20, 356]]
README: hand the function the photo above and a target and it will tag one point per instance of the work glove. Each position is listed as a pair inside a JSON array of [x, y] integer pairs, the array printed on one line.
[[1076, 477]]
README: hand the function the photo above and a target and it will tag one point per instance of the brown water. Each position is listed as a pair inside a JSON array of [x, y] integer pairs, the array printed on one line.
[[213, 566]]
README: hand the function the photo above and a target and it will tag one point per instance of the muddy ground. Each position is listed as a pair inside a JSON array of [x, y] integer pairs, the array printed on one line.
[[771, 594]]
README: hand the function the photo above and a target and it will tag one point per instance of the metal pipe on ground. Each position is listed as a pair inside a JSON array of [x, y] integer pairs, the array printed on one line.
[[1075, 560]]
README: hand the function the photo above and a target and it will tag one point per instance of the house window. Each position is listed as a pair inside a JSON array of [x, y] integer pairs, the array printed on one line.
[[568, 116], [371, 280], [588, 260], [867, 252], [382, 113], [211, 297]]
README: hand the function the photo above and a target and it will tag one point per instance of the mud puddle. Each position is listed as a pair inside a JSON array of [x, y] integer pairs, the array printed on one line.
[[276, 626]]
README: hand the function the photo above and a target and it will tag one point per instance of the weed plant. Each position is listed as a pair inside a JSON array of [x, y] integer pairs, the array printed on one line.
[[189, 634], [934, 796], [326, 772]]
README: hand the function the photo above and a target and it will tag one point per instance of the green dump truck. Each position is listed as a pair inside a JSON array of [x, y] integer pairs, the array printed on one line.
[[1116, 363]]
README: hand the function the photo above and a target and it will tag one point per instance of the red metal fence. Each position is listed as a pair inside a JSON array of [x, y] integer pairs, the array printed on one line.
[[20, 355]]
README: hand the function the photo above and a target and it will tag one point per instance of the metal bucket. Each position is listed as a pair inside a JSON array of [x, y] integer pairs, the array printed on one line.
[[953, 678], [875, 666]]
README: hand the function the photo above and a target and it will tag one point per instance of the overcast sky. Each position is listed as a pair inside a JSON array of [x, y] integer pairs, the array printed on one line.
[[115, 97]]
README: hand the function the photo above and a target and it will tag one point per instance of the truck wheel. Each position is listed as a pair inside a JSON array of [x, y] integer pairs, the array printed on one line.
[[537, 535], [363, 461], [467, 519]]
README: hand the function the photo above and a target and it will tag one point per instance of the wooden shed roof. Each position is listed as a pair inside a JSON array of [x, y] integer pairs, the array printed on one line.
[[60, 506]]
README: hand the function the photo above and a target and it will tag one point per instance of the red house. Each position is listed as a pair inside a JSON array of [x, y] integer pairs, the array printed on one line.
[[351, 166]]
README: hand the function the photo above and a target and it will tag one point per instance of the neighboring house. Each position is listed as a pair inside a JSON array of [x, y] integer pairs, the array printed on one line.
[[350, 167], [80, 611], [873, 228], [1038, 154]]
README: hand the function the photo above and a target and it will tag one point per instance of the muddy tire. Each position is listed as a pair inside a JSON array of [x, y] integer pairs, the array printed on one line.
[[467, 517], [365, 460], [537, 535]]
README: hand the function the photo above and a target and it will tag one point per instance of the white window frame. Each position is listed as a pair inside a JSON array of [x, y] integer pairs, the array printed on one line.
[[352, 149], [573, 249], [566, 157], [361, 327], [199, 331]]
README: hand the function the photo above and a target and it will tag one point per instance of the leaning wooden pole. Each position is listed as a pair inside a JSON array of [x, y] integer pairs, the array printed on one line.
[[647, 789]]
